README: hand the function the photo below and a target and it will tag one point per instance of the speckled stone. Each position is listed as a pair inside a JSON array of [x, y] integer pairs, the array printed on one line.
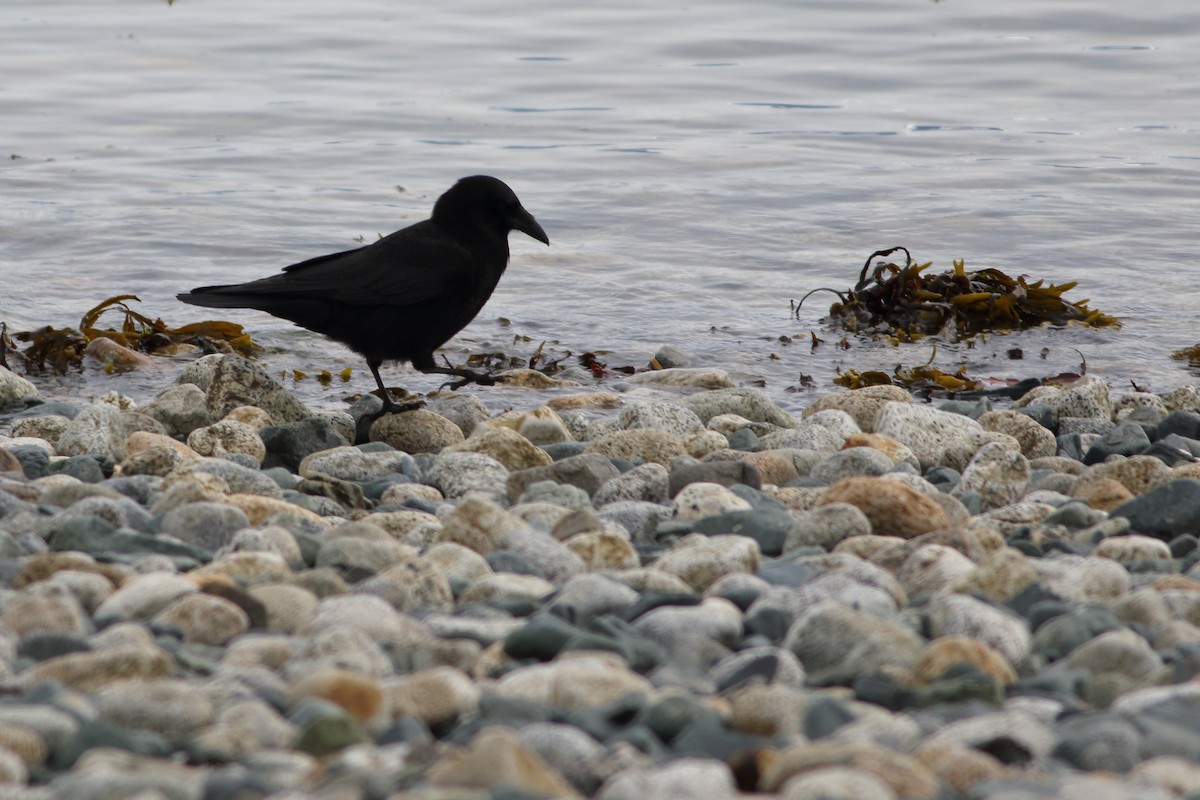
[[892, 508]]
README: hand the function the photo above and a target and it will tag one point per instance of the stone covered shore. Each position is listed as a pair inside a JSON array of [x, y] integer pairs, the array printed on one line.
[[216, 594]]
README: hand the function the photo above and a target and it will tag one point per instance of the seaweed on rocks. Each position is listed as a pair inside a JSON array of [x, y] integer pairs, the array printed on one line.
[[905, 302], [59, 350]]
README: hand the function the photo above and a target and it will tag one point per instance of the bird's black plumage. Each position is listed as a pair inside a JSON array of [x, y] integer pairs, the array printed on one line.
[[405, 295]]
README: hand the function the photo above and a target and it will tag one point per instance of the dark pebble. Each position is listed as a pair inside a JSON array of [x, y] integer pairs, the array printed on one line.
[[768, 528], [41, 646], [34, 461], [289, 443], [1043, 415], [745, 440], [1127, 439], [1165, 511], [725, 473]]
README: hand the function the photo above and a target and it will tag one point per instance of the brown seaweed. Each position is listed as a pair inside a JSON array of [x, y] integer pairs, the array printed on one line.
[[61, 349], [906, 303]]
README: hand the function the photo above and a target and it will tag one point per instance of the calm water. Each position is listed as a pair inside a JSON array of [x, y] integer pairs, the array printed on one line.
[[695, 165]]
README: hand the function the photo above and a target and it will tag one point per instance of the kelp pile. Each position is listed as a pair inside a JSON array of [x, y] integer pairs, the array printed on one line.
[[907, 303], [59, 350]]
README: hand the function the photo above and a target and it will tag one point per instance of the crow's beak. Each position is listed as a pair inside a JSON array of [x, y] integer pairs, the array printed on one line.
[[524, 222]]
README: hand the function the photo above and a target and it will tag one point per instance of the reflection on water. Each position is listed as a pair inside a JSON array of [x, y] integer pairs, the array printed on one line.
[[696, 166]]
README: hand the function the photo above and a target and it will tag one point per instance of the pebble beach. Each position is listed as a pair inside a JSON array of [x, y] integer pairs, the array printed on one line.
[[684, 593]]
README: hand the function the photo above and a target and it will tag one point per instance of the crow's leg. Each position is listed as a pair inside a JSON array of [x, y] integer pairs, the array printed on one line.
[[428, 366]]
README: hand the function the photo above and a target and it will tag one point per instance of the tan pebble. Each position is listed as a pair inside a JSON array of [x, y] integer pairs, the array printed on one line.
[[532, 379], [585, 400], [1138, 474], [769, 710], [897, 452], [1166, 583], [397, 493], [505, 445], [945, 651], [41, 566], [775, 468], [1132, 547], [205, 618], [248, 567], [496, 756], [25, 742], [650, 444], [861, 404], [892, 507], [289, 608], [1102, 493], [645, 579], [906, 776], [416, 431], [583, 679], [960, 766], [436, 696], [361, 696], [700, 560], [107, 351], [141, 441], [604, 550], [253, 416], [88, 672], [868, 545], [1001, 575], [258, 508]]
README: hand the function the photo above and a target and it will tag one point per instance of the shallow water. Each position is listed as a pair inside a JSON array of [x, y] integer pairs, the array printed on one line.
[[696, 167]]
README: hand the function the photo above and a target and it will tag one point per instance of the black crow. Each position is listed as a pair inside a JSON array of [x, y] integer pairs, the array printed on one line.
[[405, 295]]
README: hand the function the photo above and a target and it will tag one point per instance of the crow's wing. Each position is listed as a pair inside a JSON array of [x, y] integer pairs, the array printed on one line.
[[410, 266]]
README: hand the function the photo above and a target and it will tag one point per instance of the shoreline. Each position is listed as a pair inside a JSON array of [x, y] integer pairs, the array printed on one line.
[[601, 596]]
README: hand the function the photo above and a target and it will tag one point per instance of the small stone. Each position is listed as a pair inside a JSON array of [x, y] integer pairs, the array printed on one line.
[[1132, 548], [684, 378], [903, 774], [1036, 441], [603, 550], [1104, 494], [826, 526], [505, 445], [648, 444], [586, 680], [698, 500], [946, 651], [682, 779], [851, 462], [497, 756], [833, 637], [237, 381], [352, 464], [205, 618], [15, 390], [933, 567], [458, 474], [436, 696], [479, 524], [997, 474], [1166, 511], [723, 473], [892, 507], [927, 431], [360, 695], [417, 431], [588, 471], [88, 672], [700, 560], [753, 404], [961, 615], [1138, 474]]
